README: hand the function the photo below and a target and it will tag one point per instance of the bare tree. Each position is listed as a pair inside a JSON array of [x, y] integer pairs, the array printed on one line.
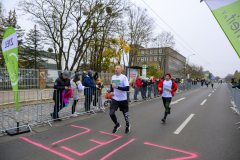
[[140, 29], [165, 41]]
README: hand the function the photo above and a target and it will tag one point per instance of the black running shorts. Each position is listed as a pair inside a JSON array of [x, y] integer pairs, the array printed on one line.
[[123, 105]]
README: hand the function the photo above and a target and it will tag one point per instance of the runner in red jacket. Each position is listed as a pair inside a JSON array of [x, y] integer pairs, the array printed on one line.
[[167, 87]]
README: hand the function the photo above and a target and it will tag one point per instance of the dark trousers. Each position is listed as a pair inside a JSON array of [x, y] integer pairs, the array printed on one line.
[[114, 117], [212, 85], [88, 101], [166, 103], [74, 106], [57, 108], [95, 101]]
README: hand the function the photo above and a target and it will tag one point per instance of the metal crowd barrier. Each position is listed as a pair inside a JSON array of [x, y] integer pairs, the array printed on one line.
[[37, 107], [28, 113], [235, 100], [151, 91]]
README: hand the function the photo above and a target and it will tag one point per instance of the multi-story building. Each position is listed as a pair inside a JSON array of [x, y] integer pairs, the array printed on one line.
[[167, 59]]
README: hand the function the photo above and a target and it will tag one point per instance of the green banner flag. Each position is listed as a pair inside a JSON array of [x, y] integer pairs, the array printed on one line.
[[227, 13], [10, 53]]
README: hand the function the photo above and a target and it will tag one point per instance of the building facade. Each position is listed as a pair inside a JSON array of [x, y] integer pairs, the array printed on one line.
[[167, 59]]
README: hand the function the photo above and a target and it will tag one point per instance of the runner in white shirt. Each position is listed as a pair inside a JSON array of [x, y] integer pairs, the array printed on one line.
[[119, 88], [167, 87]]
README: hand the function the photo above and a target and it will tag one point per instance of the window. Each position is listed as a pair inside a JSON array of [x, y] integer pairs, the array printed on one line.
[[159, 67], [155, 51], [142, 52], [160, 50], [150, 58], [146, 51], [151, 52], [160, 58], [155, 58], [155, 67], [142, 59], [138, 59]]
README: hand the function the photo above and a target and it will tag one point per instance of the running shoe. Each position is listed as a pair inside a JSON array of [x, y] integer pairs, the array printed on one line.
[[164, 120], [115, 129], [169, 111], [127, 130]]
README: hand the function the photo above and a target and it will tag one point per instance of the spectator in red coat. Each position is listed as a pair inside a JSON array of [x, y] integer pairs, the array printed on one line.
[[138, 84]]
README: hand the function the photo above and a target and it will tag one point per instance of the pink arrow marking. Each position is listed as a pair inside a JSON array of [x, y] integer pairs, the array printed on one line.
[[177, 150], [46, 148], [88, 130], [100, 144]]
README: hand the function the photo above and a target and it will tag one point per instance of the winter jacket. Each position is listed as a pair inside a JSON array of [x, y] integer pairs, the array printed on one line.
[[174, 87], [138, 83], [91, 87], [59, 87], [157, 82], [83, 77], [150, 85], [145, 83], [76, 87]]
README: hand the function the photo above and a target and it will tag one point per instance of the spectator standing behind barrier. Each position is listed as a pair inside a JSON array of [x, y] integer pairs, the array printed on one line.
[[138, 84], [149, 87], [88, 92], [131, 84], [99, 94], [156, 93], [77, 87], [95, 80], [75, 71], [83, 76], [144, 89], [61, 84], [237, 86]]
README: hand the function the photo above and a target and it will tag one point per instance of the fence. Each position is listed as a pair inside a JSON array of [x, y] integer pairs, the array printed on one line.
[[235, 100], [27, 78], [37, 107], [235, 93]]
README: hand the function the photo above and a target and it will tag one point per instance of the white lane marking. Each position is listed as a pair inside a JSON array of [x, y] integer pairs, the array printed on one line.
[[184, 124], [213, 91], [178, 100], [181, 99], [203, 102], [209, 95]]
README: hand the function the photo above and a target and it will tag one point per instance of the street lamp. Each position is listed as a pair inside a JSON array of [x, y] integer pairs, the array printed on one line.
[[187, 63]]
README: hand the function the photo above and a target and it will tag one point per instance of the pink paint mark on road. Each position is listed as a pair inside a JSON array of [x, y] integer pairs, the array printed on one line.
[[87, 130], [46, 148], [177, 150], [108, 155], [101, 144]]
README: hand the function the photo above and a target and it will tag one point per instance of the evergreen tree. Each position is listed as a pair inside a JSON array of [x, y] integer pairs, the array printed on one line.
[[33, 50]]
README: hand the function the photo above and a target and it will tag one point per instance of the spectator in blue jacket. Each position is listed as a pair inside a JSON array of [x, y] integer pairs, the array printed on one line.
[[89, 89]]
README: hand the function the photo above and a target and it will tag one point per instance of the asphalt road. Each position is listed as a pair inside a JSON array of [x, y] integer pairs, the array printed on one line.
[[192, 131]]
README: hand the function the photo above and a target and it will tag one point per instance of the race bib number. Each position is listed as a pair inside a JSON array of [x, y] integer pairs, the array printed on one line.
[[117, 82], [165, 89]]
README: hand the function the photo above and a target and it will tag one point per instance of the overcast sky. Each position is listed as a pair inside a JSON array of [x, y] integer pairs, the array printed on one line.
[[193, 22]]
